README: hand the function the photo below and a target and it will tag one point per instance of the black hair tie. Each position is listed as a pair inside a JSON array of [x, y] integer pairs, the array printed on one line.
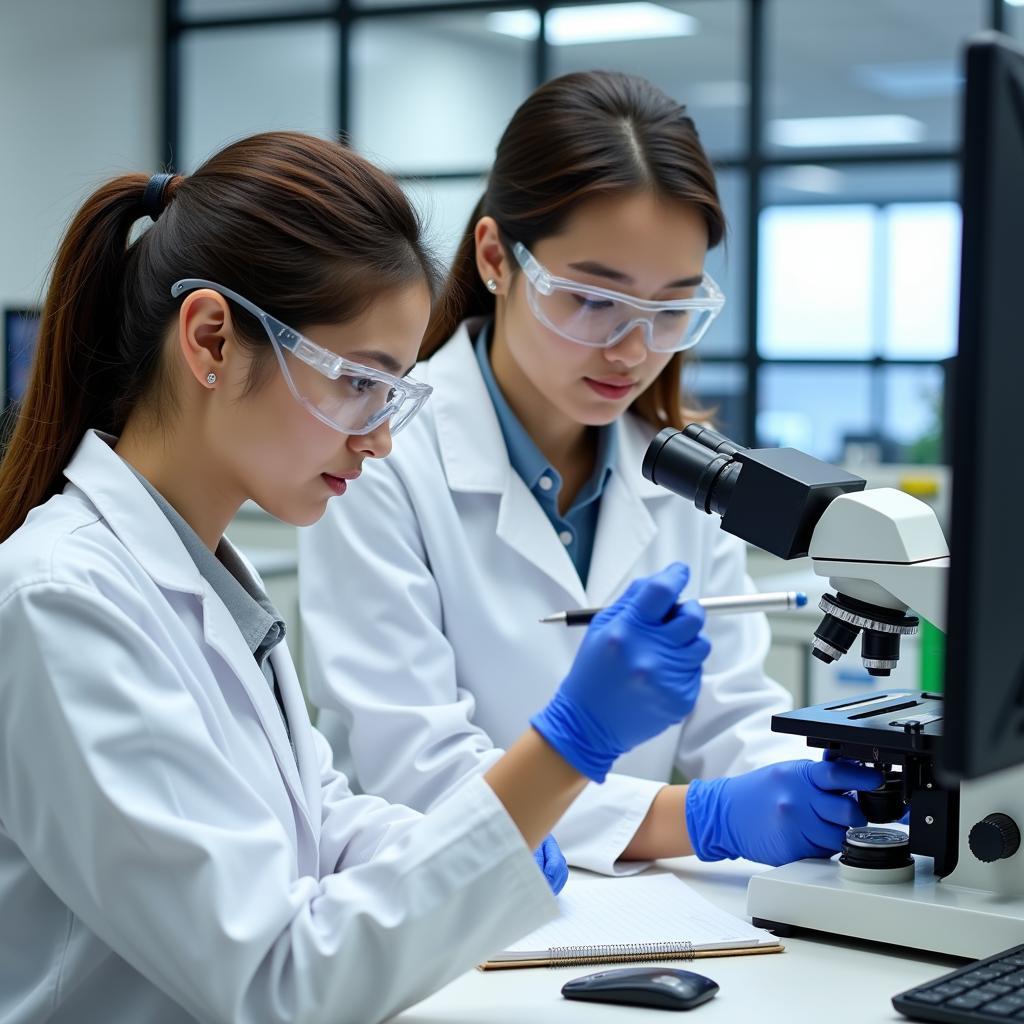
[[153, 197]]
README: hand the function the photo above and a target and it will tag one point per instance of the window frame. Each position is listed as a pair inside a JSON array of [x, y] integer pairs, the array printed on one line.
[[755, 162]]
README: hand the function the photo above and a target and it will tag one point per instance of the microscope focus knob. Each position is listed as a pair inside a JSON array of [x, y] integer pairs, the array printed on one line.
[[995, 837]]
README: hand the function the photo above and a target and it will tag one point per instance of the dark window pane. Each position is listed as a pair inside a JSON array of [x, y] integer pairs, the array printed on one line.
[[720, 390], [816, 409], [727, 265], [236, 81], [407, 3], [1013, 13], [913, 412], [872, 74], [877, 183]]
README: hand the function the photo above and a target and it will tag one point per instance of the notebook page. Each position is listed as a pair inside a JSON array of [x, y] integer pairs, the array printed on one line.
[[643, 908]]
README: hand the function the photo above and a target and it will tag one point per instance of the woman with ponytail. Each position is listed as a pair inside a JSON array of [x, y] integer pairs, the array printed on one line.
[[175, 844], [556, 352]]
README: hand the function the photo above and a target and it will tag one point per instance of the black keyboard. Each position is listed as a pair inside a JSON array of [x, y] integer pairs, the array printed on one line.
[[985, 992]]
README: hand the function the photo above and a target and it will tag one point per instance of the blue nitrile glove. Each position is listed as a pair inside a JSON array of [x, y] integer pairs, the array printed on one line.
[[831, 755], [550, 860], [634, 675], [779, 813]]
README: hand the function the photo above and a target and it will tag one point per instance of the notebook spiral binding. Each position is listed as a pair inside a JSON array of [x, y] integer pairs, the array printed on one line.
[[629, 952]]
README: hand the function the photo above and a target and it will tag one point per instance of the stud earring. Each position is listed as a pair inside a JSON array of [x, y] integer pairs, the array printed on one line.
[[491, 285], [211, 378]]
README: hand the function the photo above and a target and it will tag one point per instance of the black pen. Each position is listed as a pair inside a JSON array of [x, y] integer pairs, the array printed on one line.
[[781, 600]]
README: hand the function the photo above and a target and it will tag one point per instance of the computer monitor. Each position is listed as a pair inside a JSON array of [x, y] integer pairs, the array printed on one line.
[[983, 728], [21, 328]]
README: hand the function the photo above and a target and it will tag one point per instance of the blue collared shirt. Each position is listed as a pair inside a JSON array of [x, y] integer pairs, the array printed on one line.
[[577, 527]]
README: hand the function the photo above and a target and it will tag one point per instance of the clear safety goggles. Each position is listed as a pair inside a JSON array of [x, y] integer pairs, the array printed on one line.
[[350, 397], [601, 318]]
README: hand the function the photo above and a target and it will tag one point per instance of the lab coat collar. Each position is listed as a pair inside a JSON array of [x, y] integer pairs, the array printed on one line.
[[468, 432], [305, 754], [476, 460], [123, 502], [108, 482]]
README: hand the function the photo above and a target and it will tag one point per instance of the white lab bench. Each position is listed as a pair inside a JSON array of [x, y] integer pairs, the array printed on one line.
[[818, 979]]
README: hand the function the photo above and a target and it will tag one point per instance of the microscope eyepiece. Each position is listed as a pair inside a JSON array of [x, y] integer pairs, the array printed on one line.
[[770, 497], [712, 439], [696, 463]]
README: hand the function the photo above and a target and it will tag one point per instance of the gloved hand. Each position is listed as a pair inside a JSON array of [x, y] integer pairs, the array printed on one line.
[[634, 675], [550, 860], [779, 813], [831, 755]]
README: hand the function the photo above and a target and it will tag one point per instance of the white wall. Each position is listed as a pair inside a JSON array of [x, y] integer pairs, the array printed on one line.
[[79, 102]]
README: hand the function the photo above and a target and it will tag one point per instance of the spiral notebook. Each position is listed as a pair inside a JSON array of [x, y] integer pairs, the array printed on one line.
[[631, 920]]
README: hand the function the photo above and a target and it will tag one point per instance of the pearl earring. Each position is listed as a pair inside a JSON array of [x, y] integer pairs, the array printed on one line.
[[491, 285], [211, 378]]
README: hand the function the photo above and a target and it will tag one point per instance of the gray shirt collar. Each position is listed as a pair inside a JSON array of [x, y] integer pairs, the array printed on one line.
[[257, 619]]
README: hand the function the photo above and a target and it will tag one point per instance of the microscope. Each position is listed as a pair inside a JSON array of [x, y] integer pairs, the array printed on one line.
[[953, 883]]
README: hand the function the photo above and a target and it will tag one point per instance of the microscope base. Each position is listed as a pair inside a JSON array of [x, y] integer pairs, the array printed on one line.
[[923, 914]]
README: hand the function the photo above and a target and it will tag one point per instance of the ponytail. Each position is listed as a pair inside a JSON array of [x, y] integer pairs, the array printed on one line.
[[313, 230], [74, 381], [464, 294]]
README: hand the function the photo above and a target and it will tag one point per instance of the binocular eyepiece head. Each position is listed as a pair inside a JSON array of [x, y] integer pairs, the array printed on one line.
[[773, 498], [770, 497]]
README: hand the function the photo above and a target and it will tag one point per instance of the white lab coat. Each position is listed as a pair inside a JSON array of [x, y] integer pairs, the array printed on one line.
[[421, 589], [164, 854]]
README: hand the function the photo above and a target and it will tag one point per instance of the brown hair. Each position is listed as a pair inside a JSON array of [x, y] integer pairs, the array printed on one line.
[[583, 135], [308, 229]]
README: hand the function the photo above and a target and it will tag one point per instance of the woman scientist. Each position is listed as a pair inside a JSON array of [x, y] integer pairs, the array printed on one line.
[[174, 843], [555, 355]]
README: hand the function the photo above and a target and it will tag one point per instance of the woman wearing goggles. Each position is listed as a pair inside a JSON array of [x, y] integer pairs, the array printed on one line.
[[556, 353], [174, 841]]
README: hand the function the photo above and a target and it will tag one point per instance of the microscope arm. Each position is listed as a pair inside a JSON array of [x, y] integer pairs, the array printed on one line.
[[885, 548]]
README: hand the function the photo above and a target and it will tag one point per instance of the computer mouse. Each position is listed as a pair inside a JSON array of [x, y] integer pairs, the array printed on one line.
[[663, 987]]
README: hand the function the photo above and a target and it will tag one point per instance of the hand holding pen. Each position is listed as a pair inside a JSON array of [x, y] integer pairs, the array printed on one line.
[[730, 605]]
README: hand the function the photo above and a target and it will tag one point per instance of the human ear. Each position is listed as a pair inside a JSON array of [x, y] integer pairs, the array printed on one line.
[[204, 324], [491, 260]]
